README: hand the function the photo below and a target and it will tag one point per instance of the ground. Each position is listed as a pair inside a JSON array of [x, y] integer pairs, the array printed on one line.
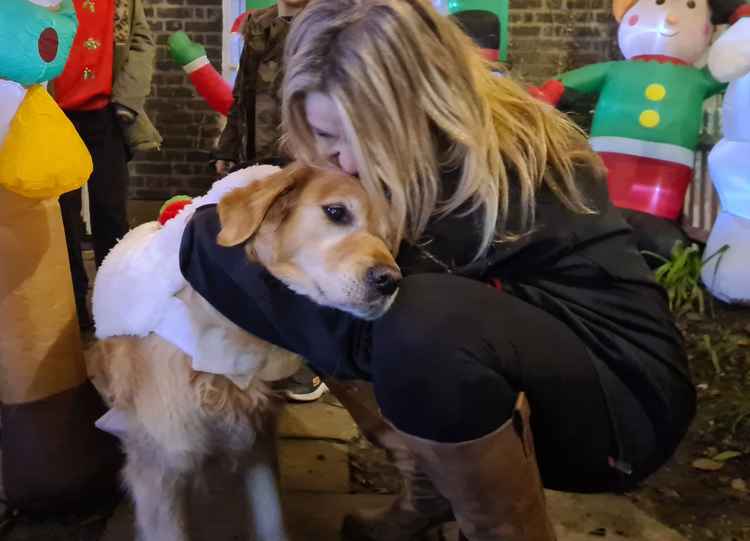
[[704, 504], [708, 500]]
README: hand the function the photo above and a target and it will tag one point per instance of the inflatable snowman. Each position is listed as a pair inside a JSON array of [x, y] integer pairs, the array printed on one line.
[[727, 276], [649, 115]]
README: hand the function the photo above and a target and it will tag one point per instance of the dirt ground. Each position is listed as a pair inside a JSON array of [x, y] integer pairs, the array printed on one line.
[[706, 504], [711, 504], [702, 504]]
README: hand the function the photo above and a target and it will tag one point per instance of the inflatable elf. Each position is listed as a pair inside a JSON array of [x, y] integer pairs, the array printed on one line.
[[53, 458], [649, 115], [727, 276]]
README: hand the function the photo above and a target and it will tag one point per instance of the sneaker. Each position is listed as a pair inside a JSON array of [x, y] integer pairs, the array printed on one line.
[[302, 386]]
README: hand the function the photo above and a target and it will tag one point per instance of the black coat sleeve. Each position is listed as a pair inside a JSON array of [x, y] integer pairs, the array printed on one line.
[[333, 342]]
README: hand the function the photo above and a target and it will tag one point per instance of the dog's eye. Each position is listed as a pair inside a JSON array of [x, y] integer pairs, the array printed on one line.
[[338, 214]]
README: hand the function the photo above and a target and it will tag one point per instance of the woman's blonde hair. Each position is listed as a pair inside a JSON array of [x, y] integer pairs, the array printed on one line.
[[416, 99]]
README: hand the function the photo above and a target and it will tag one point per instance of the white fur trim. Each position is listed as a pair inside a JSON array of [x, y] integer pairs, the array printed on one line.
[[176, 326], [644, 149], [196, 64], [116, 422], [141, 274]]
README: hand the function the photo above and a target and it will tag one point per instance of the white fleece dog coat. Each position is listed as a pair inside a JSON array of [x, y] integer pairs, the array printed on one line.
[[136, 287]]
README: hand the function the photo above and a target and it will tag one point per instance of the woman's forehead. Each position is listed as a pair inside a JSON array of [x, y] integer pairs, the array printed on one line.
[[322, 113]]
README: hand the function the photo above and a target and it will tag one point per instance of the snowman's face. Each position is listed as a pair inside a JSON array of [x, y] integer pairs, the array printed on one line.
[[681, 29]]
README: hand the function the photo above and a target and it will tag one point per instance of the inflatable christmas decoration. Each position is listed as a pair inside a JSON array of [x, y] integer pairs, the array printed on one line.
[[727, 276], [208, 82], [53, 458], [192, 58], [649, 115], [486, 21]]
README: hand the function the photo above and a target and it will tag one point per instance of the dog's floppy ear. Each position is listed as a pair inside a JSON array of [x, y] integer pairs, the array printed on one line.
[[241, 211]]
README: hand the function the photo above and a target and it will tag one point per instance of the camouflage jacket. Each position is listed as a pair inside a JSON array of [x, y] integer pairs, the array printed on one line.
[[254, 124]]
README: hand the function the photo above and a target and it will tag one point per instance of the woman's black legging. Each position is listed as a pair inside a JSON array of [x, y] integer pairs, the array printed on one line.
[[450, 358], [448, 361]]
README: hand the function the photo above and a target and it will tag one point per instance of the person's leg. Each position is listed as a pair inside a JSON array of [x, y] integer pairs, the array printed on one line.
[[70, 207], [449, 362], [108, 187], [451, 356], [302, 386], [655, 235], [419, 506]]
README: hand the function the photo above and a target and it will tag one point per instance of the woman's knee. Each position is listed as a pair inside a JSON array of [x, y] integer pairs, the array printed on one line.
[[432, 366], [437, 315]]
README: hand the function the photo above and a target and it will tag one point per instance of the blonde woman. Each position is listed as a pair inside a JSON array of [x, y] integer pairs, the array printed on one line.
[[525, 306]]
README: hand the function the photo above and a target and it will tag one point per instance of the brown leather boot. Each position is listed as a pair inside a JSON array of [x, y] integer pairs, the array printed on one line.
[[419, 507], [493, 482]]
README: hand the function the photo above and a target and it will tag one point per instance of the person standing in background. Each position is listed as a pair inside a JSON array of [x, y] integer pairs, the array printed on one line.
[[102, 91], [253, 130]]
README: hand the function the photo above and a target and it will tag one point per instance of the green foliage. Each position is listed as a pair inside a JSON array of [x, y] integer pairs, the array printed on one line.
[[680, 277]]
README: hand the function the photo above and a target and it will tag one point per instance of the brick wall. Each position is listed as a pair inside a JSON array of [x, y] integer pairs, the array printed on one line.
[[546, 37], [552, 36], [188, 126]]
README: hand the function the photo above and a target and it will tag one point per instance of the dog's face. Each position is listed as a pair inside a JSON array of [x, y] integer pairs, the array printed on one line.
[[316, 231]]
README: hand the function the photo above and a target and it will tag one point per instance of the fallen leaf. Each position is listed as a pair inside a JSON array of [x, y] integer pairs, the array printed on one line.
[[739, 485], [706, 464], [670, 493], [726, 455]]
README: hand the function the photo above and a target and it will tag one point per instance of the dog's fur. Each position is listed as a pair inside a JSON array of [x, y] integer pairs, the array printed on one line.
[[177, 417]]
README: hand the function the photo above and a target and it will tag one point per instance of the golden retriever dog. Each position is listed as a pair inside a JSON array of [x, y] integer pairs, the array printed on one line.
[[314, 230]]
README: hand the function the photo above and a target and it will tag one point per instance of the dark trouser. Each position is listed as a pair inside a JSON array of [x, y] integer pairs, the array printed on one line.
[[654, 235], [108, 191], [450, 358]]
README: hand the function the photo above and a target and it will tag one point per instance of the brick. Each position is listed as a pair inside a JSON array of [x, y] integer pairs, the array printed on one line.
[[174, 13], [202, 26], [547, 37], [173, 26]]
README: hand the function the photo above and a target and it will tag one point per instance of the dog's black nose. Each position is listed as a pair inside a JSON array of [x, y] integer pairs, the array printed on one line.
[[384, 279]]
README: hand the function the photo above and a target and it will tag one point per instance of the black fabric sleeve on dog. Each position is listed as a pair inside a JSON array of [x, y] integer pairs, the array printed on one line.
[[333, 342]]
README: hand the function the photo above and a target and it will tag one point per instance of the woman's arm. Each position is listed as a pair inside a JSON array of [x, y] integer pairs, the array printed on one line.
[[334, 342]]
